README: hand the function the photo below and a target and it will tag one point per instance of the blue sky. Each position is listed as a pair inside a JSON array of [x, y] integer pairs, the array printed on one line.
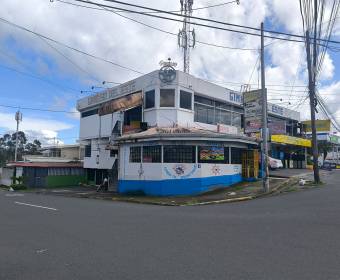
[[130, 44]]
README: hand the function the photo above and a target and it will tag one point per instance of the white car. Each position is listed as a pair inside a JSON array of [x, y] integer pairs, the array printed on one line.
[[275, 163]]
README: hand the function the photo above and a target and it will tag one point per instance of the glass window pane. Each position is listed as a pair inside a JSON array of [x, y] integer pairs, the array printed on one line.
[[135, 154], [149, 101], [236, 155], [236, 121], [152, 154], [226, 117], [185, 99], [179, 154], [167, 98]]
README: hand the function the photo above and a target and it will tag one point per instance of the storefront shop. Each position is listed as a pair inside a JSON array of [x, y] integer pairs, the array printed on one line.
[[292, 151]]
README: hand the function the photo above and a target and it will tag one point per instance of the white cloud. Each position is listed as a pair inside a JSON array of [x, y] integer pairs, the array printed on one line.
[[131, 44], [36, 128]]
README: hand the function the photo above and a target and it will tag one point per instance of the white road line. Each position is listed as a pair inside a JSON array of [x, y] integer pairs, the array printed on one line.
[[38, 206]]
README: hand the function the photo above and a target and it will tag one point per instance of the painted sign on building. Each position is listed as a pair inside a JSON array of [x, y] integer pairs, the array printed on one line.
[[285, 139], [125, 102], [321, 126], [252, 111]]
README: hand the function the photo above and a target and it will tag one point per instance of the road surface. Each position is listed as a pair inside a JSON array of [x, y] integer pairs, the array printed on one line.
[[291, 236]]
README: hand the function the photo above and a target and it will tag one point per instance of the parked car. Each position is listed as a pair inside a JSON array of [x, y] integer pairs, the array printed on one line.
[[275, 163]]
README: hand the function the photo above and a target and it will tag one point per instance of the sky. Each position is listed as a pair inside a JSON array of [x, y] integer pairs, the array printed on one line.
[[41, 74]]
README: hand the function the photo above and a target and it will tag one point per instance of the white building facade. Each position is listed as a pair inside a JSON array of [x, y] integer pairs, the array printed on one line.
[[113, 121]]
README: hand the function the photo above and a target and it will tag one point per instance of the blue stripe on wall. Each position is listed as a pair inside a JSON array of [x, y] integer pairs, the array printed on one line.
[[177, 186]]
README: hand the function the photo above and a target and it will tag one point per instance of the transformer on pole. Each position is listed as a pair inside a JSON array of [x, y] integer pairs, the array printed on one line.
[[186, 36]]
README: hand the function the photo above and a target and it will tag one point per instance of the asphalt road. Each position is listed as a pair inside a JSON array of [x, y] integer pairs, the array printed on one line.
[[291, 236]]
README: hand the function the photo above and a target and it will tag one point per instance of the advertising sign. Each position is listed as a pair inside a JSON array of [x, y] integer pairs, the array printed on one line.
[[252, 111], [211, 153], [321, 126], [277, 127], [126, 102], [334, 139], [285, 139]]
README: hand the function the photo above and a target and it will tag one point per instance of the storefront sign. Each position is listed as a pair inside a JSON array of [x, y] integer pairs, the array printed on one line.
[[277, 127], [211, 153], [228, 129], [285, 139], [126, 102], [321, 126], [235, 97], [252, 111], [334, 139], [111, 93]]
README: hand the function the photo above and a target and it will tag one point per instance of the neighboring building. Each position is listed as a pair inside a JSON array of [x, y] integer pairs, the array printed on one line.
[[57, 166], [113, 121], [46, 174]]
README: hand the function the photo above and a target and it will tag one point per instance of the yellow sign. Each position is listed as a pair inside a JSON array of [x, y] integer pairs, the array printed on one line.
[[321, 125], [291, 140]]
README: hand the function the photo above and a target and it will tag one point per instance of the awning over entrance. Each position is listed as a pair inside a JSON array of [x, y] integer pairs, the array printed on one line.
[[285, 139]]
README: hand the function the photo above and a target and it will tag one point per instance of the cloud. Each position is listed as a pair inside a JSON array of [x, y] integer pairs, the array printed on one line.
[[42, 129], [128, 43]]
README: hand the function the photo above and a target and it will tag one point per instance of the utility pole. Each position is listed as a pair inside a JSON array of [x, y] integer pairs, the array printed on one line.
[[18, 118], [264, 157], [186, 36], [312, 101]]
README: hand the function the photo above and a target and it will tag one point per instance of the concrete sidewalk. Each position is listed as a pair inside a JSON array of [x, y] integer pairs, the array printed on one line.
[[289, 172], [284, 180]]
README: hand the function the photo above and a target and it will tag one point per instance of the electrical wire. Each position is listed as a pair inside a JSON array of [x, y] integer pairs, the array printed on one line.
[[37, 109], [153, 27]]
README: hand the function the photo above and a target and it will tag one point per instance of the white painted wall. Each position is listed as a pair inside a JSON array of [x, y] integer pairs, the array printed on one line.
[[162, 171], [105, 161]]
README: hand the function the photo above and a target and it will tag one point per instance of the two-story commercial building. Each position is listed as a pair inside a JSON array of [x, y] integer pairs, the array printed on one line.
[[170, 133]]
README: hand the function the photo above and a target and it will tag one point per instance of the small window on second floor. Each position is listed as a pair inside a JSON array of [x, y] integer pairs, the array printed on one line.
[[88, 151], [149, 99], [185, 100], [167, 98]]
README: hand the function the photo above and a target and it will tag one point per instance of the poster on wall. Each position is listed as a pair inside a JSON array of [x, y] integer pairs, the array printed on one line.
[[252, 111], [211, 153]]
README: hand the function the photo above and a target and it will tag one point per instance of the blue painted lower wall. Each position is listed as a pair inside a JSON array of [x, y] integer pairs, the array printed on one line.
[[177, 186]]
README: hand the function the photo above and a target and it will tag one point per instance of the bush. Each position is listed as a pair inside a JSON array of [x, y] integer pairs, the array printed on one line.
[[18, 187]]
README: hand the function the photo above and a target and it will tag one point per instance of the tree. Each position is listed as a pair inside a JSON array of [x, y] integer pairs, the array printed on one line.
[[324, 147], [7, 147]]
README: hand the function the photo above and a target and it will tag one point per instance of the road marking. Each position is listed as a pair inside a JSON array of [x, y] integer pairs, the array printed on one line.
[[38, 206], [41, 251], [14, 194]]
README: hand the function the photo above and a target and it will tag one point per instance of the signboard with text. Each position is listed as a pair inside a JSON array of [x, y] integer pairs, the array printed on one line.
[[321, 126], [252, 111]]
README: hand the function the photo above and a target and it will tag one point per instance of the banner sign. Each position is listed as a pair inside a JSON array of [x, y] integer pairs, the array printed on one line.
[[334, 139], [321, 126], [211, 153], [285, 139], [252, 111], [277, 127], [125, 102]]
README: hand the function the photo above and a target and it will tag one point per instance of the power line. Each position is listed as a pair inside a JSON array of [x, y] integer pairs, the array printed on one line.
[[196, 23], [153, 27], [202, 19], [70, 47], [37, 109], [37, 77]]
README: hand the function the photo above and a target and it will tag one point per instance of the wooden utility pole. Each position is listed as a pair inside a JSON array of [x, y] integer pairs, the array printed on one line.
[[264, 119], [312, 101]]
